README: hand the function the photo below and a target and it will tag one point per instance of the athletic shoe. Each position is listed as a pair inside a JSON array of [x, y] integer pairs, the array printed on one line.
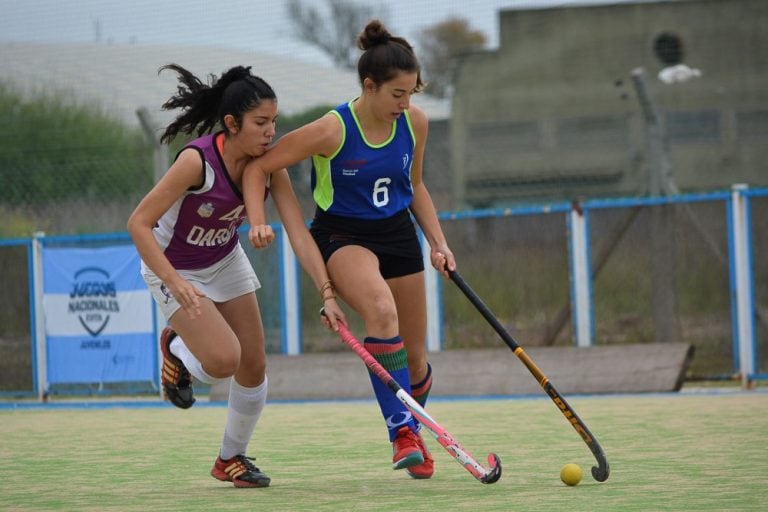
[[425, 469], [405, 448], [176, 380], [240, 471]]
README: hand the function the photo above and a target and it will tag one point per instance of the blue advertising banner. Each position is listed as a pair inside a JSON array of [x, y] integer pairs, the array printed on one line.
[[98, 316]]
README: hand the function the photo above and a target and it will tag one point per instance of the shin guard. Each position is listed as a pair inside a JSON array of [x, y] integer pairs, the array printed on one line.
[[391, 355]]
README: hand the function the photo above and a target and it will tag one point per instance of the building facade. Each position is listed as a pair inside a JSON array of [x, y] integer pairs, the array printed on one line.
[[561, 109]]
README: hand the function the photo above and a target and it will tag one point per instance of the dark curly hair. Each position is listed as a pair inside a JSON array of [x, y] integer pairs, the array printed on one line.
[[204, 105]]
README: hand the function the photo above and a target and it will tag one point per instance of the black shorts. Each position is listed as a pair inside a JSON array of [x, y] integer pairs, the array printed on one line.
[[393, 240]]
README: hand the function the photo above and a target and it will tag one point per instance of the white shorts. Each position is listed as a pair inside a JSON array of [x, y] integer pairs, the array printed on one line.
[[228, 279]]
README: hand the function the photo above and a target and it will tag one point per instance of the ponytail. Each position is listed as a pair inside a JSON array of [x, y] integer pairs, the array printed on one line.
[[205, 105]]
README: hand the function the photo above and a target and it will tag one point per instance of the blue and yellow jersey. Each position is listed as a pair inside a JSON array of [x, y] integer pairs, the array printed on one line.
[[364, 180]]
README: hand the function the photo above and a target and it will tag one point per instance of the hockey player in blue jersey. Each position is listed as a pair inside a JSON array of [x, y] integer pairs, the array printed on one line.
[[367, 158]]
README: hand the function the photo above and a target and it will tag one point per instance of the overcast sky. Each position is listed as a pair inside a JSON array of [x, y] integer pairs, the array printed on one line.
[[251, 25]]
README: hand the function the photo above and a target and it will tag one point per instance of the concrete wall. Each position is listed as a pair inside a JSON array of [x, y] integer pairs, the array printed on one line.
[[553, 113], [635, 368]]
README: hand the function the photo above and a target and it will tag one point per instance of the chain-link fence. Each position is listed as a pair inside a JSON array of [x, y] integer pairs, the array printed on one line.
[[541, 114], [519, 264]]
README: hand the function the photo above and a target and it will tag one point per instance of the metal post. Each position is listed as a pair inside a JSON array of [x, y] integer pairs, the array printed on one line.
[[581, 282], [660, 182], [291, 302], [40, 371], [659, 169], [434, 312], [742, 291], [159, 150]]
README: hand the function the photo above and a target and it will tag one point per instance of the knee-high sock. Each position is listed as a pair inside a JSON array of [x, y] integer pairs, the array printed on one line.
[[243, 412], [391, 355], [193, 365], [420, 390]]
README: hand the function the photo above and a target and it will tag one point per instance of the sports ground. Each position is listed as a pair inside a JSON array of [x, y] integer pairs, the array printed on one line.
[[701, 449]]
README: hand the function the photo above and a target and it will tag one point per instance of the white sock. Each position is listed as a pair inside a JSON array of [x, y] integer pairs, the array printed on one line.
[[243, 412], [195, 367]]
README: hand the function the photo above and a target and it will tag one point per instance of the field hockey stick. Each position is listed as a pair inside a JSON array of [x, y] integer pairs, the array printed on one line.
[[446, 440], [599, 472]]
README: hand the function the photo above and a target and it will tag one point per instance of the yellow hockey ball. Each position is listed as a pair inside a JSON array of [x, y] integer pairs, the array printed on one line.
[[571, 474]]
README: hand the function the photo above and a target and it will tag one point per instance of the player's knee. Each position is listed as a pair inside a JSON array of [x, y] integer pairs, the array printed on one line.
[[223, 364], [382, 316]]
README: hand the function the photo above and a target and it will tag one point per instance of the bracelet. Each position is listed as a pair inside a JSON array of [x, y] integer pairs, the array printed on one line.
[[327, 285]]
